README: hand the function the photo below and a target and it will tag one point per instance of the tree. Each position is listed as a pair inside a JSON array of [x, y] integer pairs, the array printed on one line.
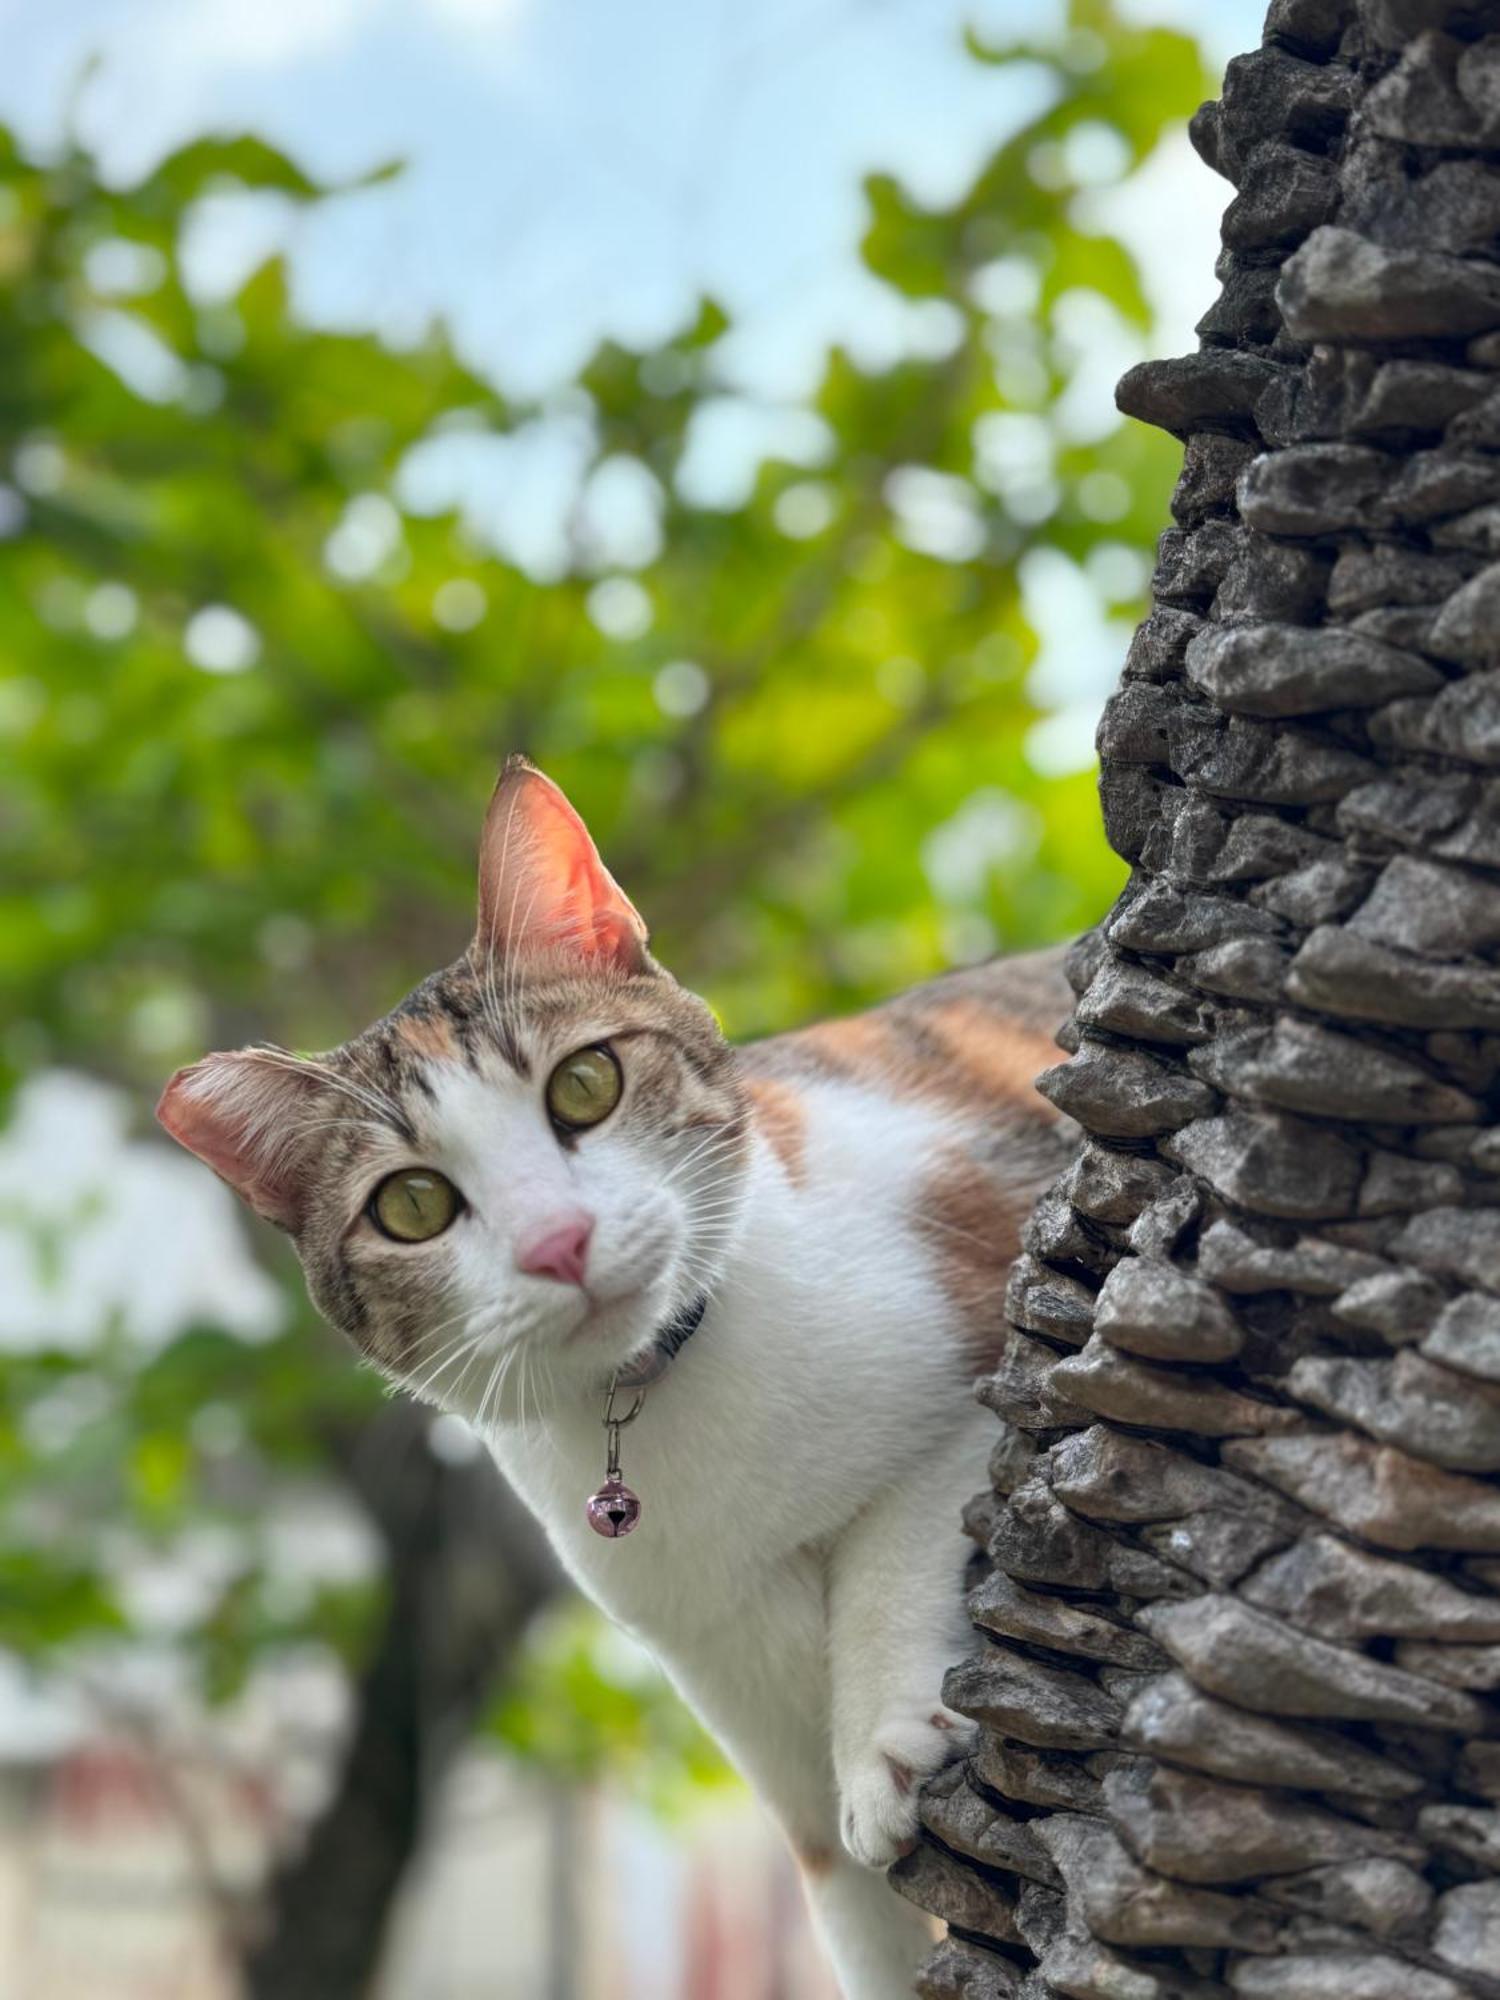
[[261, 656], [1242, 1618]]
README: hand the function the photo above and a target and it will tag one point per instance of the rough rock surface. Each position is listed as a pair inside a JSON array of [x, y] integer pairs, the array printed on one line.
[[1237, 1677]]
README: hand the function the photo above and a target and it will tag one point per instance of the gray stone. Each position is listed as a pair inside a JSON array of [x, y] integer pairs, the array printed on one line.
[[1478, 1769], [1081, 1968], [1113, 1186], [1398, 1305], [1468, 1927], [1114, 1385], [1437, 483], [1246, 1657], [1375, 1492], [1272, 580], [1421, 102], [1197, 1830], [1475, 533], [1466, 1335], [1214, 390], [1293, 670], [1123, 1903], [1190, 565], [963, 1972], [1012, 1459], [1165, 1314], [1162, 918], [1128, 1000], [1404, 396], [1035, 1704], [1177, 1721], [1048, 1302], [1004, 1607], [1160, 641], [954, 1813], [1467, 1831], [1258, 844], [1133, 727], [1431, 909], [1475, 1668], [1317, 894], [1110, 1476], [1409, 808], [1461, 1243], [1158, 1230], [1340, 286], [937, 1882], [1042, 1777], [1463, 721], [1425, 1409], [1037, 1540], [1344, 1593], [1468, 626], [1382, 1897], [1394, 1184], [1340, 1975], [1124, 1093], [1244, 968], [1286, 193], [1235, 1261], [1217, 1546], [1479, 424], [1300, 1066], [1253, 763], [1270, 1162], [1390, 574], [1337, 971], [1210, 466], [1312, 489], [1021, 1390], [1269, 92]]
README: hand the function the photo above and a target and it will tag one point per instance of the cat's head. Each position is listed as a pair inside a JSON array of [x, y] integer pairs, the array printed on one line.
[[528, 1167]]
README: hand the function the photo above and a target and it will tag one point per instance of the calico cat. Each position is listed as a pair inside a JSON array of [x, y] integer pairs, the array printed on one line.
[[547, 1170]]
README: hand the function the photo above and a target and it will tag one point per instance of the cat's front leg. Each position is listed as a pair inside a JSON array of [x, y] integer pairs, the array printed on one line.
[[758, 1675], [896, 1623]]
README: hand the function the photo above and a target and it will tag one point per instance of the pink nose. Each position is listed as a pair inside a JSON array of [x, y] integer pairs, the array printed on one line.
[[561, 1251]]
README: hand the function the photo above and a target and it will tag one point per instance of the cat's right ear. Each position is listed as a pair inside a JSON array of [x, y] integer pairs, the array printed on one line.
[[245, 1115]]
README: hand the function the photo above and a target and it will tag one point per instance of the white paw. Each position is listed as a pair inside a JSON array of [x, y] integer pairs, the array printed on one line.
[[879, 1792]]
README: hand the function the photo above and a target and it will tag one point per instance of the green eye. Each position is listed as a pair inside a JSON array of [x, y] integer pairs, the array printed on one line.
[[414, 1205], [584, 1088]]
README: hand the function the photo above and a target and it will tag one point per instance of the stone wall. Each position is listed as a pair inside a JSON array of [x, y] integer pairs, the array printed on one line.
[[1239, 1691]]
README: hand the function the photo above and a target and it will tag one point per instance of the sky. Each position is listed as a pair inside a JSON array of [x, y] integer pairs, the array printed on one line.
[[576, 168]]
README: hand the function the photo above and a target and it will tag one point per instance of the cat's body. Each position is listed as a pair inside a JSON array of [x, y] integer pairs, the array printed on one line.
[[846, 1198]]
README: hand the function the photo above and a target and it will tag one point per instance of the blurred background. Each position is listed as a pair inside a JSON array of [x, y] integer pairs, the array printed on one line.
[[714, 402]]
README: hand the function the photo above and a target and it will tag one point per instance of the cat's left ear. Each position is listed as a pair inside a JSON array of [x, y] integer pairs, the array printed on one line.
[[542, 886]]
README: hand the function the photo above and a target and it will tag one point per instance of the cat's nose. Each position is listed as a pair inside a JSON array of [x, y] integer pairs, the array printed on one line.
[[561, 1251]]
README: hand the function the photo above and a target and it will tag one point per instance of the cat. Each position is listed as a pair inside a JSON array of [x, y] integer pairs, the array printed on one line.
[[547, 1165]]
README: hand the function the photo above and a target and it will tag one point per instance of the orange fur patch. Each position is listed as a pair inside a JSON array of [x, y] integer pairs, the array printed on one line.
[[782, 1121], [973, 1224], [995, 1056], [429, 1035]]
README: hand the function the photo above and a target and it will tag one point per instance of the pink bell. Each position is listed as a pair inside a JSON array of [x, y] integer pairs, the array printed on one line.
[[614, 1510]]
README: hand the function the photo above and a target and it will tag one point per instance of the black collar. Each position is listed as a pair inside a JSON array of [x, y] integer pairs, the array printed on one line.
[[671, 1337]]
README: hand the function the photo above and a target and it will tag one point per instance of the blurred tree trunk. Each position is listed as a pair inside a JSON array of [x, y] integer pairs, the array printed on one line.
[[468, 1568], [1243, 1622]]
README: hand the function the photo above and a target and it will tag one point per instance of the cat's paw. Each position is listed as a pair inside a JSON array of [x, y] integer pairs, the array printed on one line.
[[879, 1792]]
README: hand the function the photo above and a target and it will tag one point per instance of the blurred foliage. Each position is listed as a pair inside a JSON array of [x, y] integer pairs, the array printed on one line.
[[253, 696]]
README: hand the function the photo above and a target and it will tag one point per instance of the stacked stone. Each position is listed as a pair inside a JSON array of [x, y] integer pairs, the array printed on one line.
[[1239, 1691]]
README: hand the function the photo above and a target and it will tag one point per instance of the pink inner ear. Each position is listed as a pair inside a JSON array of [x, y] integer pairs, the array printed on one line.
[[242, 1115], [542, 885]]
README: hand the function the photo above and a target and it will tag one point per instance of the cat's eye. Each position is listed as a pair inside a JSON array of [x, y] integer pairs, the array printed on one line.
[[414, 1205], [584, 1088]]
